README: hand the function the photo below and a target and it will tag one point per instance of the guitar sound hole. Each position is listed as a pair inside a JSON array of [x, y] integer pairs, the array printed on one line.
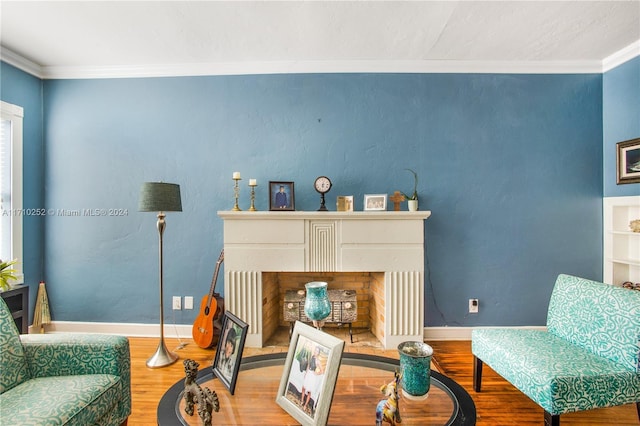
[[206, 310]]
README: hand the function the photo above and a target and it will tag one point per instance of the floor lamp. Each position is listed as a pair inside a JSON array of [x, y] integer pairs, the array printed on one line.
[[160, 197]]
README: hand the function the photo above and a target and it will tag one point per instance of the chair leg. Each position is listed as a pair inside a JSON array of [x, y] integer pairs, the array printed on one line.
[[551, 420], [477, 373]]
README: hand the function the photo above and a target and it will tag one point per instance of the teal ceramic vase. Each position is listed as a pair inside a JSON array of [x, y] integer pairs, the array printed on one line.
[[415, 367], [316, 304]]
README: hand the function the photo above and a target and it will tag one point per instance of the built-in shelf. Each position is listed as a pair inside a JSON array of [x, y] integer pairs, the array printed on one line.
[[634, 262], [621, 245]]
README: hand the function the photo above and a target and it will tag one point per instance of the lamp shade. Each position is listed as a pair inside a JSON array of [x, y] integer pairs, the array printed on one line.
[[160, 197]]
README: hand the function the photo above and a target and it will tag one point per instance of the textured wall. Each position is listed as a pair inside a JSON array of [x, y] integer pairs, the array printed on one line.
[[19, 88], [621, 120], [510, 165]]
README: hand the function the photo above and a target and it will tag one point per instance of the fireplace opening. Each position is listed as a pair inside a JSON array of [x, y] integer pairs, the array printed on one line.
[[369, 288]]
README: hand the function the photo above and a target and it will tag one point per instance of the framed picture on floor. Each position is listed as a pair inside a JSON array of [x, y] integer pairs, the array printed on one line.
[[310, 373], [226, 363], [281, 196], [628, 161]]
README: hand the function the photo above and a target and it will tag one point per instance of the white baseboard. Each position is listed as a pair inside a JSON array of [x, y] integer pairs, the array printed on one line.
[[447, 333], [183, 331], [461, 333], [124, 329]]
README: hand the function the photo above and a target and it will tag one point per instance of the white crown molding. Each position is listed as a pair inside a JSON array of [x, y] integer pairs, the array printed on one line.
[[621, 56], [311, 67], [12, 58]]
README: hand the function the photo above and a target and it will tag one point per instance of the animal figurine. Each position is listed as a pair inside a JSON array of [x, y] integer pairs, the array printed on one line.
[[206, 399], [388, 410]]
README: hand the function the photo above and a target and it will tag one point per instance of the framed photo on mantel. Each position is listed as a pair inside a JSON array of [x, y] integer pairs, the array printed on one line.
[[344, 203], [375, 202], [281, 196]]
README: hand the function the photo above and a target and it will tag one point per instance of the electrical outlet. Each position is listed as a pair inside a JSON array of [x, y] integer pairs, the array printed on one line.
[[188, 302], [177, 303], [473, 306]]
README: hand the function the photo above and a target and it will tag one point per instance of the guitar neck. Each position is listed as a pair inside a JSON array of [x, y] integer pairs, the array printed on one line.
[[214, 280]]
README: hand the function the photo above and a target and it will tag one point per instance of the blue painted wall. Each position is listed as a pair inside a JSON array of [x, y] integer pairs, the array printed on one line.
[[510, 165], [22, 89], [621, 120]]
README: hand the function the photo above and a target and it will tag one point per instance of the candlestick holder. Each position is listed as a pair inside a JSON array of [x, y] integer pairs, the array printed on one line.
[[236, 191], [253, 197]]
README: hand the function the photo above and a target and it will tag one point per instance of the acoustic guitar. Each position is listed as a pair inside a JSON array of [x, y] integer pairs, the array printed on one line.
[[208, 325]]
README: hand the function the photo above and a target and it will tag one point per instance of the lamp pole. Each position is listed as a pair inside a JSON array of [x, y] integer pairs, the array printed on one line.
[[162, 357]]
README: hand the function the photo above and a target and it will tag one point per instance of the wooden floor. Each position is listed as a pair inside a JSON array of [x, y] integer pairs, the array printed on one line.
[[499, 403]]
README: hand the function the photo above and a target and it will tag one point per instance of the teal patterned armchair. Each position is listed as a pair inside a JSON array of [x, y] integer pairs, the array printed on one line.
[[589, 356], [62, 379]]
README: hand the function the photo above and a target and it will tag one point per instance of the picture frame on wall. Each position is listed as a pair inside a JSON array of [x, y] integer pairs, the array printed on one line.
[[628, 161], [310, 373], [226, 363], [281, 196], [375, 202]]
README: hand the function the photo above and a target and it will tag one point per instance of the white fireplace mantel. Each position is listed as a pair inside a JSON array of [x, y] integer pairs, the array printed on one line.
[[388, 242]]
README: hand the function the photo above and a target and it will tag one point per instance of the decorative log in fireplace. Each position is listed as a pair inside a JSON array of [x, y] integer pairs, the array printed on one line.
[[344, 308], [391, 243]]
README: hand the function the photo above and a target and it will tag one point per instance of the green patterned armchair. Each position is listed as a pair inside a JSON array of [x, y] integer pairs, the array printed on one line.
[[62, 379], [589, 356]]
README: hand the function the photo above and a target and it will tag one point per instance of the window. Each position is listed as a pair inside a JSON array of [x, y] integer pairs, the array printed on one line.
[[11, 211]]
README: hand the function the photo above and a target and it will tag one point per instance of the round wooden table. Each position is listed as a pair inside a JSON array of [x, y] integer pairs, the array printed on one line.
[[357, 393]]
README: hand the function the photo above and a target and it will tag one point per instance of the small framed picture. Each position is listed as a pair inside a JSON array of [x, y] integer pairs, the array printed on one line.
[[281, 196], [344, 203], [628, 161], [226, 363], [375, 202], [310, 374]]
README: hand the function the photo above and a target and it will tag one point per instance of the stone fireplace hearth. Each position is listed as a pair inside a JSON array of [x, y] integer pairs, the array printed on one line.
[[267, 253]]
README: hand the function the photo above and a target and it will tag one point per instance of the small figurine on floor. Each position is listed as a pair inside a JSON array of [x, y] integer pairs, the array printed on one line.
[[388, 410], [206, 399]]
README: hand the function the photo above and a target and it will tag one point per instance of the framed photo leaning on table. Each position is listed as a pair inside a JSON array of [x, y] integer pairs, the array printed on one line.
[[310, 373], [226, 363]]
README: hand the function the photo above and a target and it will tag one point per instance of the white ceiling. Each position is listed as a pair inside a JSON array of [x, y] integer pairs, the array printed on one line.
[[91, 38]]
